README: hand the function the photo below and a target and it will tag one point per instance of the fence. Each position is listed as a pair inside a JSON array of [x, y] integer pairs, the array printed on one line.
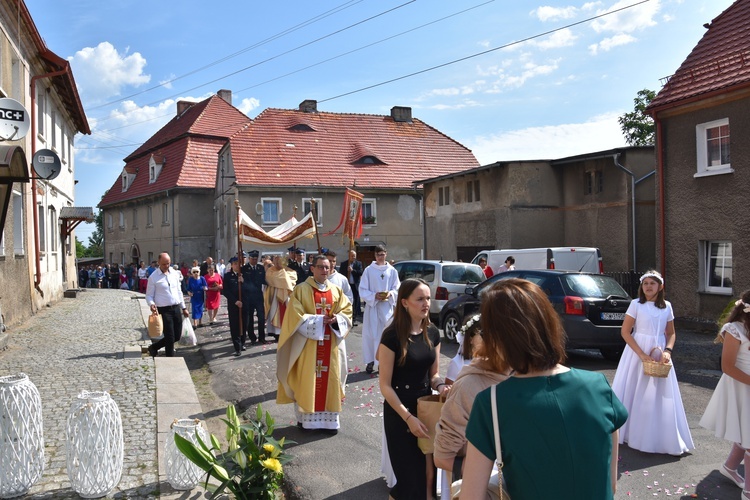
[[629, 280]]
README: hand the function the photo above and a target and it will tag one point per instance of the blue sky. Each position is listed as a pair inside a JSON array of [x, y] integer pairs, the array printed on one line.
[[547, 97]]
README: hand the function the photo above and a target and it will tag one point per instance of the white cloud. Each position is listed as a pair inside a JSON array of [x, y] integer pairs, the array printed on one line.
[[628, 20], [550, 141], [558, 39], [608, 43], [547, 13], [248, 104], [167, 82], [101, 72], [530, 71]]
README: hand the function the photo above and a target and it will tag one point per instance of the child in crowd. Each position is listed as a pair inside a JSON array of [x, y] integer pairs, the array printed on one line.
[[656, 422], [469, 339], [727, 412]]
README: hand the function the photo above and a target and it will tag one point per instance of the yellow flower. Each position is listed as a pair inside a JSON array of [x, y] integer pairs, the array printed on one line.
[[272, 464], [268, 447]]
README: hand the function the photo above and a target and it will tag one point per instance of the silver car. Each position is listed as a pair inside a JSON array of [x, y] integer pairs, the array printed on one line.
[[447, 279]]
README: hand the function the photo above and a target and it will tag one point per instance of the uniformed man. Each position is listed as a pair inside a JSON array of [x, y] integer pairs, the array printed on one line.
[[236, 304], [300, 265], [254, 275]]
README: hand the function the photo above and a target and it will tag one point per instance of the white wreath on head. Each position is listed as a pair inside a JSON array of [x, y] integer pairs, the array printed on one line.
[[746, 309], [462, 332], [653, 275]]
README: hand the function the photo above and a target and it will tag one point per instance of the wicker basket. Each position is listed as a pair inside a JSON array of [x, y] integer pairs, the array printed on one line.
[[653, 368]]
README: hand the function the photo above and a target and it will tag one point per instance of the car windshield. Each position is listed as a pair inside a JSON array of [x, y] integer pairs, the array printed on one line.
[[462, 273], [594, 285]]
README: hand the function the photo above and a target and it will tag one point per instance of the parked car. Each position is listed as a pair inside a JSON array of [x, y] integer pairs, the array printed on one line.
[[447, 279], [591, 306], [581, 259]]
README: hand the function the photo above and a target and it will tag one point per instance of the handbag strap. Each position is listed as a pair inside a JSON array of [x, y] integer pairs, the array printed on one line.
[[496, 429]]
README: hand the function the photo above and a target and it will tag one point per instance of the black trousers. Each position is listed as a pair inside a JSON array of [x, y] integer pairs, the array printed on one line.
[[171, 317], [255, 306], [238, 337], [357, 304]]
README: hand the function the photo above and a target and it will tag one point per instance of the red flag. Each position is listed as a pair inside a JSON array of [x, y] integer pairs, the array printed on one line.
[[351, 215]]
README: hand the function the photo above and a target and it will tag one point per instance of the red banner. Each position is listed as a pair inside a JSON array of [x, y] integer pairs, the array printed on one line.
[[351, 216]]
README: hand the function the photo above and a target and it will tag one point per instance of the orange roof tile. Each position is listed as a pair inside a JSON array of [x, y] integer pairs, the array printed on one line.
[[720, 60], [268, 153]]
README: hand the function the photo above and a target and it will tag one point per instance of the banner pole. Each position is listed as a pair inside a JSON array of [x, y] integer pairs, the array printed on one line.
[[314, 210], [241, 261]]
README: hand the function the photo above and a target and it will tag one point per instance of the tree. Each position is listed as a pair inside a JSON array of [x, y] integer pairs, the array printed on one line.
[[638, 126], [81, 250], [96, 240]]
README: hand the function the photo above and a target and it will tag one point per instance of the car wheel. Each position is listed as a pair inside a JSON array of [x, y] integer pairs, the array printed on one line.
[[451, 326], [611, 354]]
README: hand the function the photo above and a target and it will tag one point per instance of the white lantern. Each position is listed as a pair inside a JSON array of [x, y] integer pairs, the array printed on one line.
[[21, 436], [183, 474], [94, 444]]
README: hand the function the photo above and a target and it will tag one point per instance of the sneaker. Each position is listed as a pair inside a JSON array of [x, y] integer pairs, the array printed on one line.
[[243, 348], [369, 367], [732, 475], [236, 353]]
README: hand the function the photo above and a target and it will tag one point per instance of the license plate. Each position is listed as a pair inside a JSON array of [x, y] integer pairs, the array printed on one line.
[[613, 316]]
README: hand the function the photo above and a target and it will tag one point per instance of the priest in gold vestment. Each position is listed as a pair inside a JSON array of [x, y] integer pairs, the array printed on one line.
[[310, 371]]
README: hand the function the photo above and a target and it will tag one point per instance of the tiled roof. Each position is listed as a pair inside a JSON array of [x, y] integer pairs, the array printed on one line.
[[211, 117], [720, 60], [268, 153], [188, 146], [78, 213]]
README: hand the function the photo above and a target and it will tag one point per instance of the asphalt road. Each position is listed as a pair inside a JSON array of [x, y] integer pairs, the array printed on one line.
[[347, 465]]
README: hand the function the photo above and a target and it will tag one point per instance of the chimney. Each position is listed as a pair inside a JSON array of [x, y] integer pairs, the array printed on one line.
[[182, 106], [401, 114], [309, 106], [226, 95]]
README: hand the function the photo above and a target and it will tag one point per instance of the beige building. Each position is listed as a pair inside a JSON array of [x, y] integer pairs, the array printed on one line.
[[603, 199], [288, 156], [37, 249]]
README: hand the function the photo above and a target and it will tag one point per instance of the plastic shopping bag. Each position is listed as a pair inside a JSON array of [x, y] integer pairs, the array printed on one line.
[[188, 334]]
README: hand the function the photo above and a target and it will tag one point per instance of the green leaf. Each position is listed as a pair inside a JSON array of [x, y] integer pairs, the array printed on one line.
[[194, 453]]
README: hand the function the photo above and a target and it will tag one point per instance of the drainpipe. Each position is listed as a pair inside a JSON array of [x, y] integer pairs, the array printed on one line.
[[38, 275], [633, 183], [662, 204]]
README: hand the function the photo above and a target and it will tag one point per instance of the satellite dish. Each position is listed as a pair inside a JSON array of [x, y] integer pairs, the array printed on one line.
[[14, 120], [259, 208], [46, 164]]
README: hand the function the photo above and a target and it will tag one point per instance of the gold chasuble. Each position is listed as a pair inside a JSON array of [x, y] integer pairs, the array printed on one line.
[[310, 371]]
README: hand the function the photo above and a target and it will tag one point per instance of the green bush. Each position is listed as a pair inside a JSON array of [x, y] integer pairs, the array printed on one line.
[[252, 466]]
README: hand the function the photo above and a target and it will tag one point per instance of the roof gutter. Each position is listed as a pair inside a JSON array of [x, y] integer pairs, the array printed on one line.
[[662, 203], [35, 210]]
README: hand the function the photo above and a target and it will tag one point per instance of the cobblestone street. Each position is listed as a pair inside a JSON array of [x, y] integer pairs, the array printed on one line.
[[78, 344]]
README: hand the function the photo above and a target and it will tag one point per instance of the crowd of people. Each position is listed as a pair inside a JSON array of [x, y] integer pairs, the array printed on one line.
[[507, 384]]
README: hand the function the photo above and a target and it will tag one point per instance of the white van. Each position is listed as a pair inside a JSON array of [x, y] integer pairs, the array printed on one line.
[[581, 259]]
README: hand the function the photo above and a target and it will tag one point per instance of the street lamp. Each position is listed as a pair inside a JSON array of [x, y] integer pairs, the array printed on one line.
[[13, 168]]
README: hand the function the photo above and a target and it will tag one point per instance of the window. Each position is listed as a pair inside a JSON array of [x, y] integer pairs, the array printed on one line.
[[42, 229], [369, 211], [17, 223], [151, 173], [122, 219], [135, 218], [593, 182], [444, 196], [53, 129], [271, 210], [52, 229], [124, 181], [64, 143], [165, 213], [122, 258], [150, 258], [41, 96], [717, 264], [109, 221], [472, 191], [318, 208], [712, 146], [149, 216]]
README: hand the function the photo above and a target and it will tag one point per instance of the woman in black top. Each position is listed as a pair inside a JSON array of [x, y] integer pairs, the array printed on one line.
[[409, 356]]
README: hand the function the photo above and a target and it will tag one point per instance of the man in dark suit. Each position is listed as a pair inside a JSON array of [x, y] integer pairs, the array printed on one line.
[[299, 265], [352, 270], [255, 275]]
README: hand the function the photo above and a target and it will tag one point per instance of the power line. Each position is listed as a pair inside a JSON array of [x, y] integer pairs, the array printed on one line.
[[432, 68]]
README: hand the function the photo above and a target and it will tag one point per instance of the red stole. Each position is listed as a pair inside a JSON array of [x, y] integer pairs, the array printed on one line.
[[323, 304]]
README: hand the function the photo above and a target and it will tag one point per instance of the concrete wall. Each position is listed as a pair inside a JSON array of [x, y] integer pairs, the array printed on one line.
[[705, 208]]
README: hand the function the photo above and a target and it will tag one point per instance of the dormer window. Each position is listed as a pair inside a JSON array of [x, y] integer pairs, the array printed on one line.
[[369, 160], [127, 180], [301, 127], [155, 164]]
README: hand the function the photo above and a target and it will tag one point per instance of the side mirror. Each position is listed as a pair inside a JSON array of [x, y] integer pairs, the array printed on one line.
[[469, 290]]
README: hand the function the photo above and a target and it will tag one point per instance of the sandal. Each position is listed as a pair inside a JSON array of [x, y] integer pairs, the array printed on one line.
[[735, 477]]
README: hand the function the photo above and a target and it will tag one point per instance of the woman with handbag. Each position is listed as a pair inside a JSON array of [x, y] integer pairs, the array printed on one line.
[[657, 421], [409, 357], [557, 426]]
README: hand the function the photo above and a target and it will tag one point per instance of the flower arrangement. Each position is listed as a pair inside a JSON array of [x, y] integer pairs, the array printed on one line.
[[252, 466], [369, 219]]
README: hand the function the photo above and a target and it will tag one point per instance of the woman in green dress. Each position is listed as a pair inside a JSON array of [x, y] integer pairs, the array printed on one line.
[[558, 425]]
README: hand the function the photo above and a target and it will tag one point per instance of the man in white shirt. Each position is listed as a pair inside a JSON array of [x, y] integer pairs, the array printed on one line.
[[336, 278], [221, 268], [164, 296]]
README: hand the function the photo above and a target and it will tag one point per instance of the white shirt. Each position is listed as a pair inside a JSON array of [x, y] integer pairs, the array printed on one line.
[[339, 280], [163, 289], [221, 268]]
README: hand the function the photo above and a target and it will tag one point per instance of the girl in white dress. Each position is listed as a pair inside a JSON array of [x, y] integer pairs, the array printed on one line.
[[728, 412], [656, 417]]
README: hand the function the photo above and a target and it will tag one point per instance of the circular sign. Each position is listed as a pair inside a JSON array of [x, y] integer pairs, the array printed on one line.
[[46, 164], [14, 120]]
